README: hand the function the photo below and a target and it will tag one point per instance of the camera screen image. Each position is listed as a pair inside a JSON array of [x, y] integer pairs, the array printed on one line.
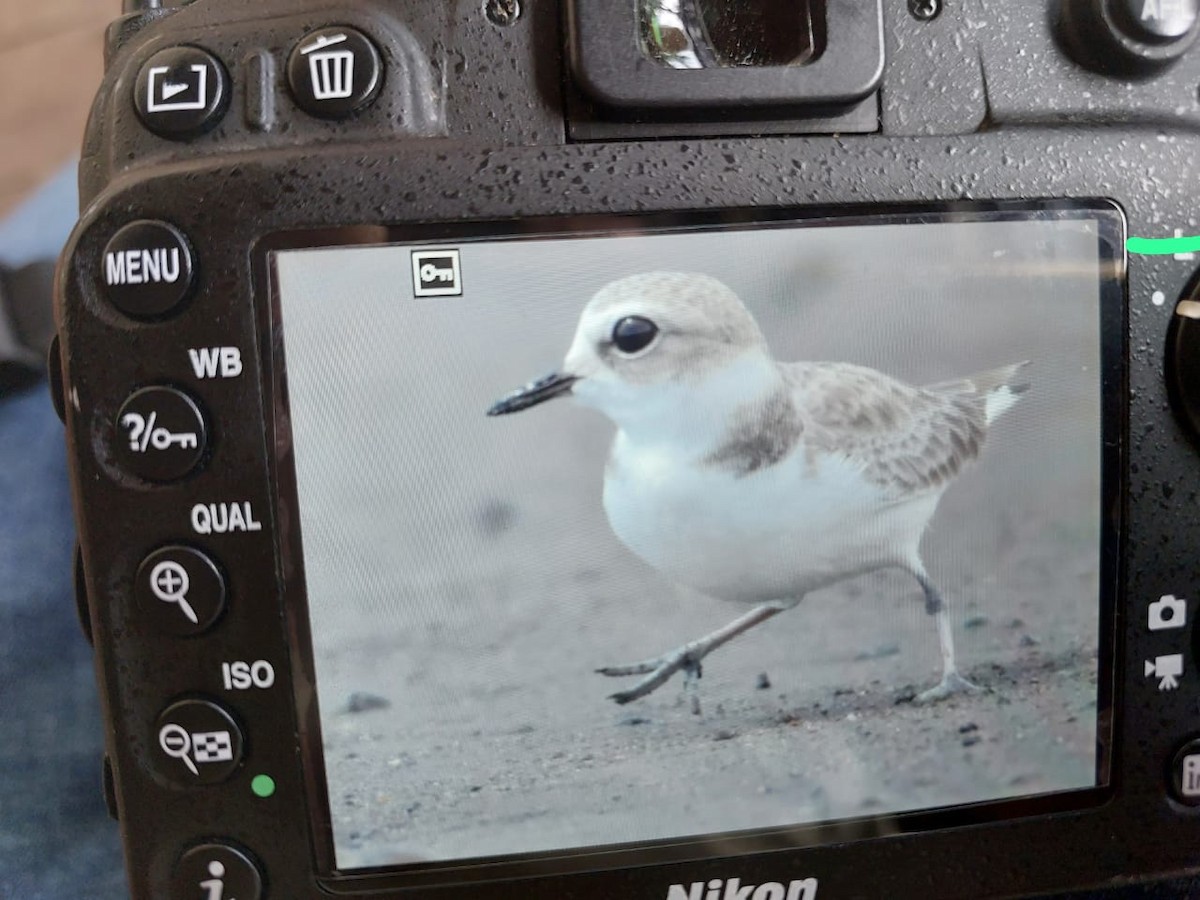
[[626, 531]]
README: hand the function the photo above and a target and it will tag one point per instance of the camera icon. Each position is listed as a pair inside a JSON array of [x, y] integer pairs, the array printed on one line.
[[1168, 612]]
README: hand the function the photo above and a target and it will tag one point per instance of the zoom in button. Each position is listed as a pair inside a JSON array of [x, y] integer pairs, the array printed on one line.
[[179, 591], [160, 434]]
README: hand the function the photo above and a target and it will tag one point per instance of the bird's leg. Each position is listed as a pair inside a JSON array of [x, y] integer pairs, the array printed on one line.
[[688, 657], [692, 671], [952, 682]]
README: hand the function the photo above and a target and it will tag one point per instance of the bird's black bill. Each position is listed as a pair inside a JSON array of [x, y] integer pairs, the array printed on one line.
[[533, 393]]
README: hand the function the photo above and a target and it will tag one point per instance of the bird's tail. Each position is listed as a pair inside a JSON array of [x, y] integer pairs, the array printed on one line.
[[998, 388]]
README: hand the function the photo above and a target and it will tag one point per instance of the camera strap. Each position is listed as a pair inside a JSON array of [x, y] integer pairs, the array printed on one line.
[[26, 323]]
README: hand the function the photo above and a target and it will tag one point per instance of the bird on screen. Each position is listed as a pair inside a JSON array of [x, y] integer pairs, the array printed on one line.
[[756, 481]]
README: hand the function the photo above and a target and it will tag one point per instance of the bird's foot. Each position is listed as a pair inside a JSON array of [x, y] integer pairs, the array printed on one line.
[[952, 683], [657, 671]]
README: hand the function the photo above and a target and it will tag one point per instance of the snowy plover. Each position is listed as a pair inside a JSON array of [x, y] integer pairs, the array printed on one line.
[[753, 480]]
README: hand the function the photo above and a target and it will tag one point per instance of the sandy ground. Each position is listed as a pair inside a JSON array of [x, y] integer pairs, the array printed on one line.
[[835, 734], [465, 585]]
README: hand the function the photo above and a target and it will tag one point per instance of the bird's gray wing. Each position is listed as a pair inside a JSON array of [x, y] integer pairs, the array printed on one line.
[[905, 439]]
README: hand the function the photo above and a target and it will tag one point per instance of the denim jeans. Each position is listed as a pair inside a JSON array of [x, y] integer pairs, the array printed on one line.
[[56, 840]]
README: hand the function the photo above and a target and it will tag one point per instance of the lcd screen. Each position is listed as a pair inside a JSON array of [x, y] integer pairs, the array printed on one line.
[[625, 531]]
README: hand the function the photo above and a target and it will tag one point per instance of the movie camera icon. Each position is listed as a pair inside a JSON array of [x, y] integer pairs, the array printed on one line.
[[1167, 669]]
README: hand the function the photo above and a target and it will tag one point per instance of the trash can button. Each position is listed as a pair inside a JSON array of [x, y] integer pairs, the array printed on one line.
[[334, 72]]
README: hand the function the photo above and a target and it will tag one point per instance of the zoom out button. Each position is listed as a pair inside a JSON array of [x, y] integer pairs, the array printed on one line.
[[197, 742]]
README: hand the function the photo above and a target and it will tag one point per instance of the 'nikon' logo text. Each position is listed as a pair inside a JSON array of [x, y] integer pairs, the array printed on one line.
[[733, 889]]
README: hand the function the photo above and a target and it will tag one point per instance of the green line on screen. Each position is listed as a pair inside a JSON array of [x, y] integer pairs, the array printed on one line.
[[1162, 246]]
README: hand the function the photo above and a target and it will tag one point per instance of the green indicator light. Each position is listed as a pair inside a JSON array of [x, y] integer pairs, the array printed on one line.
[[263, 785], [1162, 246]]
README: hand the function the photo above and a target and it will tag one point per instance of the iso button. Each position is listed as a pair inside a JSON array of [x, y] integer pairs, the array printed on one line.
[[197, 742], [181, 92], [179, 590], [160, 434], [147, 271], [334, 72]]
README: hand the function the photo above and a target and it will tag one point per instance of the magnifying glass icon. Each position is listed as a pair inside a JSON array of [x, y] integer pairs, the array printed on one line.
[[177, 743], [170, 583]]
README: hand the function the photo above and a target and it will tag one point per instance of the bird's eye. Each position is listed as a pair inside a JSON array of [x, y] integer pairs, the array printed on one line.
[[633, 333]]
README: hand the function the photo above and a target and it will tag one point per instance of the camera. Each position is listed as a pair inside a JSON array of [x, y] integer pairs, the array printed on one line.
[[666, 449], [1167, 612]]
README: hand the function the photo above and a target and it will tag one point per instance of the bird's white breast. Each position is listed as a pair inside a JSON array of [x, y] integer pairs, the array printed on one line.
[[774, 533]]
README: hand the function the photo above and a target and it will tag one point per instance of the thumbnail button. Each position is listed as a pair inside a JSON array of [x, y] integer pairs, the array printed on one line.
[[160, 434], [216, 871], [147, 269], [179, 590], [198, 742], [181, 92], [334, 72]]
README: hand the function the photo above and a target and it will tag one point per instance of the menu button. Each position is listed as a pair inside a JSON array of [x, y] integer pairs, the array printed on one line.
[[147, 269]]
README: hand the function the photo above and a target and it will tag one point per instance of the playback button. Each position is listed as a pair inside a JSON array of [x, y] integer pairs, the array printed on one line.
[[180, 591], [161, 434], [181, 92]]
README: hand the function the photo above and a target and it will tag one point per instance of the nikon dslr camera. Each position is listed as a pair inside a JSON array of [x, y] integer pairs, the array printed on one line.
[[641, 449]]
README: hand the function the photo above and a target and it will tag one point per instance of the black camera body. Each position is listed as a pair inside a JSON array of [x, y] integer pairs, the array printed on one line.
[[227, 136]]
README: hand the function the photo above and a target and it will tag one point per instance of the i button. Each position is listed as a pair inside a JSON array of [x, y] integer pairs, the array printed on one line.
[[1185, 774], [216, 870]]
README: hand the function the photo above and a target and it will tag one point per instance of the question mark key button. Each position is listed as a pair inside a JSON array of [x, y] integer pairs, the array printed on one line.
[[159, 434], [179, 591]]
